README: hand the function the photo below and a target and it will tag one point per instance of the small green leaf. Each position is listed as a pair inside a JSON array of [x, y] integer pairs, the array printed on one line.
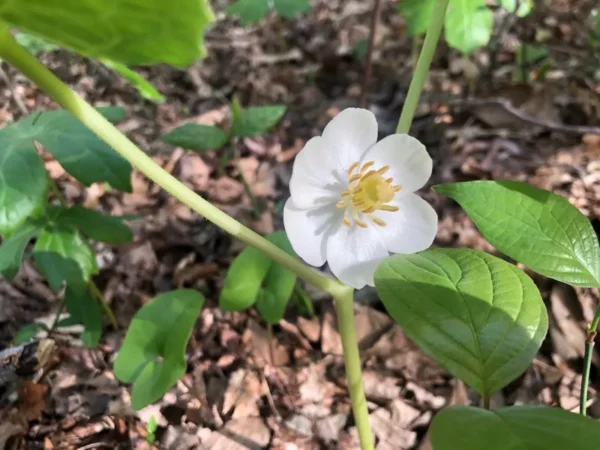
[[468, 25], [13, 248], [143, 86], [23, 180], [28, 332], [249, 11], [417, 14], [478, 316], [244, 280], [525, 6], [113, 114], [513, 428], [278, 284], [62, 254], [528, 54], [153, 353], [196, 137], [86, 311], [535, 227], [257, 120], [34, 44], [291, 8], [133, 32], [95, 225]]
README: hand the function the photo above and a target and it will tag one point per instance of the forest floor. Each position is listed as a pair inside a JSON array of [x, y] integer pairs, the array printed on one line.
[[235, 395]]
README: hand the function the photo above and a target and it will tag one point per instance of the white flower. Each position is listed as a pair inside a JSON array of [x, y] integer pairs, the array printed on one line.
[[352, 198]]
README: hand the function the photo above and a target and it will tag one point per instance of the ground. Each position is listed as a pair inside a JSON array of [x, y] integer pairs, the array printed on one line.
[[235, 394]]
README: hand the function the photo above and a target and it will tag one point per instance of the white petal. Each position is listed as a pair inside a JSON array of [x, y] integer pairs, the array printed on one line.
[[412, 228], [410, 164], [354, 253], [348, 136], [306, 229], [314, 181]]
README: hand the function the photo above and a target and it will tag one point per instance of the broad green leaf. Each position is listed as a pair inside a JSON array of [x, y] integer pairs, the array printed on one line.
[[525, 6], [62, 254], [28, 332], [290, 8], [417, 14], [153, 353], [23, 180], [13, 248], [143, 86], [86, 311], [513, 428], [113, 114], [196, 137], [257, 120], [244, 280], [480, 317], [95, 225], [133, 32], [34, 44], [535, 227], [278, 284], [468, 25], [249, 11]]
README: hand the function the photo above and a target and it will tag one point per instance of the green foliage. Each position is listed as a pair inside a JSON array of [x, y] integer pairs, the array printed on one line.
[[514, 428], [477, 315], [535, 227], [84, 310], [28, 332], [61, 253], [418, 14], [34, 44], [256, 120], [94, 225], [251, 11], [132, 32], [153, 353], [468, 25], [193, 136], [525, 6], [13, 248], [143, 86], [151, 428]]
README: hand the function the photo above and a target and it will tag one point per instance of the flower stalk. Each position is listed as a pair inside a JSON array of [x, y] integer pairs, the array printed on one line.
[[587, 361]]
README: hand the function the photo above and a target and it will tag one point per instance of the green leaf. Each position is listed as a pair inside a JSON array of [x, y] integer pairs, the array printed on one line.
[[13, 248], [133, 32], [95, 225], [480, 317], [28, 332], [153, 353], [249, 11], [244, 280], [113, 114], [196, 137], [513, 428], [62, 254], [23, 179], [468, 25], [143, 86], [278, 284], [417, 14], [290, 8], [34, 44], [525, 6], [86, 311], [535, 227], [257, 120], [527, 54]]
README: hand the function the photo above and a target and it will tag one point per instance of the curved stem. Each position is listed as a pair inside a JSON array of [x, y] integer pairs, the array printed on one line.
[[14, 54], [587, 361], [344, 306], [418, 80]]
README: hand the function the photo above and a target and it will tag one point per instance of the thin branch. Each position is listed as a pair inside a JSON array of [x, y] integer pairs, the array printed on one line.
[[369, 62]]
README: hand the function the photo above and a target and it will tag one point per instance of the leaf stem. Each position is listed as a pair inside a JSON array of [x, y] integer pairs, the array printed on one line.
[[418, 80], [14, 54], [587, 361], [344, 305]]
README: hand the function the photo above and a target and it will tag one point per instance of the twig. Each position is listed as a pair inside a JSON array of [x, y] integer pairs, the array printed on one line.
[[509, 108], [13, 94], [587, 361], [369, 61]]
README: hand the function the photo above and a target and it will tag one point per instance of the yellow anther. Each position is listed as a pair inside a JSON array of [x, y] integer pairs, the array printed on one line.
[[365, 166], [389, 208], [341, 204], [354, 178], [352, 167], [383, 170], [347, 222], [378, 221]]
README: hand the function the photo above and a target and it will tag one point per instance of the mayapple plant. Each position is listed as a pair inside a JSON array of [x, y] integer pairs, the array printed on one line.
[[352, 204]]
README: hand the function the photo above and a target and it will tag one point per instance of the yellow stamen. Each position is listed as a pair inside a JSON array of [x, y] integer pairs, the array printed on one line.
[[389, 208], [365, 166], [378, 221], [341, 204], [347, 222], [352, 167]]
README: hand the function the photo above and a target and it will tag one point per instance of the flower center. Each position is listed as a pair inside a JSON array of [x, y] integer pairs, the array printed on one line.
[[368, 191]]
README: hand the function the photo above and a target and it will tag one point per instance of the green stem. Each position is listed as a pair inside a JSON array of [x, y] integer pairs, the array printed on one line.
[[14, 54], [344, 306], [418, 80], [587, 361]]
